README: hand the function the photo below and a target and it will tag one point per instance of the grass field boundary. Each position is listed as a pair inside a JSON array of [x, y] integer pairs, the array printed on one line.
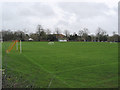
[[47, 71], [61, 66], [86, 67]]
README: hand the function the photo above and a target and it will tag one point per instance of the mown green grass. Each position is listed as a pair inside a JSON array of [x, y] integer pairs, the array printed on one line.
[[66, 65]]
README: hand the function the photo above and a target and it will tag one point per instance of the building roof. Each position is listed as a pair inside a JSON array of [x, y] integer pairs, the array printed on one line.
[[30, 39]]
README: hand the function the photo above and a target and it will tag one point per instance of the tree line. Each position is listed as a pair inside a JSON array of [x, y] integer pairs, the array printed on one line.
[[46, 35]]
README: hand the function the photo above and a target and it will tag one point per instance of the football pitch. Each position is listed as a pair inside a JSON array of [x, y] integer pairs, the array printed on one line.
[[62, 65]]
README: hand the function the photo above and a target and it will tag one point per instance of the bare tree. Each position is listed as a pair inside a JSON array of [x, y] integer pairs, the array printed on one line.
[[39, 30], [114, 33], [48, 32], [115, 36], [57, 31], [66, 32], [99, 33], [93, 38], [85, 34], [80, 33]]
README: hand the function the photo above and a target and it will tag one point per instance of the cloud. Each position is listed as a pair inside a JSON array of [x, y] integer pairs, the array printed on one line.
[[66, 15], [90, 15]]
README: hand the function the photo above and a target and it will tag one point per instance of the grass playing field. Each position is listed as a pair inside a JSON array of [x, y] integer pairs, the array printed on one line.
[[62, 65]]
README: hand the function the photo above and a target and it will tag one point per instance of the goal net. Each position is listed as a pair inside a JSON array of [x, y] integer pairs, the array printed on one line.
[[17, 44]]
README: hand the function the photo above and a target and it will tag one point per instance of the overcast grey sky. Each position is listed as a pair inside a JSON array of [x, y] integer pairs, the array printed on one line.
[[72, 16]]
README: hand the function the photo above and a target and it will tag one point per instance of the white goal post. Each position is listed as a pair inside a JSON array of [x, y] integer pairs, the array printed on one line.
[[20, 46]]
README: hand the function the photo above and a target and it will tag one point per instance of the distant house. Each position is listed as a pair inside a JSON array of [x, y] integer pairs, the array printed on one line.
[[62, 40], [30, 39], [59, 36]]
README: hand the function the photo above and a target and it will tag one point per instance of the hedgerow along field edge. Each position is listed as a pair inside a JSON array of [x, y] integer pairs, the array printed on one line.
[[62, 65]]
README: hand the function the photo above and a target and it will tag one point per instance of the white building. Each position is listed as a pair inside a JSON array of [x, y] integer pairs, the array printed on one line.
[[30, 39], [60, 40]]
